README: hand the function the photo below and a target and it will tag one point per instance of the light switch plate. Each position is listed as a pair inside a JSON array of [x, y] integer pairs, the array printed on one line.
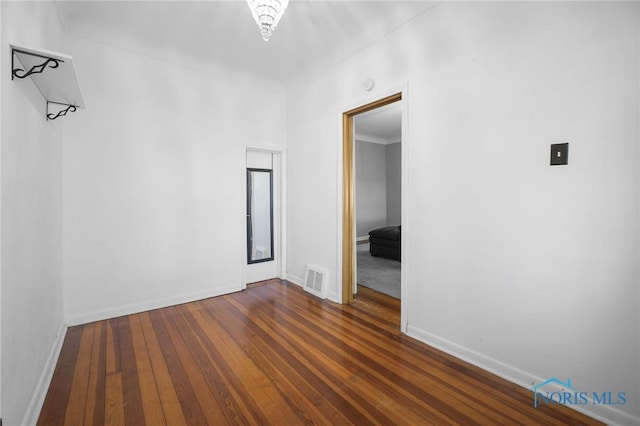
[[559, 154]]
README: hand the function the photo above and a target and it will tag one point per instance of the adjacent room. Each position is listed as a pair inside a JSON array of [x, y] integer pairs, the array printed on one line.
[[181, 199], [378, 190]]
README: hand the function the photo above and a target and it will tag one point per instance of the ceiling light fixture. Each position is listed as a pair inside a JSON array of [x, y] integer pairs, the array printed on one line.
[[267, 14]]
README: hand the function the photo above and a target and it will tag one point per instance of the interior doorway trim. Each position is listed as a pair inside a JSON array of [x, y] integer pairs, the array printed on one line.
[[348, 199]]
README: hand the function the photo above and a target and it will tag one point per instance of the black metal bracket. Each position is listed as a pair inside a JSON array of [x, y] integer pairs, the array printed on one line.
[[61, 113], [36, 69]]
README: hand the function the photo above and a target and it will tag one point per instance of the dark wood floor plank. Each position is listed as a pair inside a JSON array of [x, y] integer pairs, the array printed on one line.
[[276, 355], [57, 399], [133, 409], [151, 404], [114, 400], [168, 398], [186, 395], [94, 375], [113, 350], [79, 389], [100, 380]]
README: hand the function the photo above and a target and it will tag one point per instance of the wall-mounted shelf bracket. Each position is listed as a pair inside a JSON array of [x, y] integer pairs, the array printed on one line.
[[53, 74], [61, 112], [36, 69]]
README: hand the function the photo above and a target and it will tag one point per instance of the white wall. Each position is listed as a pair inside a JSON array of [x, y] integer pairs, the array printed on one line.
[[32, 317], [371, 187], [378, 186], [527, 269], [153, 181], [393, 166]]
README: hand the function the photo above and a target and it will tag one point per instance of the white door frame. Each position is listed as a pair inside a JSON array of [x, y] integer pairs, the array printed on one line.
[[279, 210]]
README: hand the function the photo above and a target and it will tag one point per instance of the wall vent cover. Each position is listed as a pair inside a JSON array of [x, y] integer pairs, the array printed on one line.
[[316, 281]]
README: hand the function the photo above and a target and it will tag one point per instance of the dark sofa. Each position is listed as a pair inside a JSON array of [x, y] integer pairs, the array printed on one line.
[[385, 242]]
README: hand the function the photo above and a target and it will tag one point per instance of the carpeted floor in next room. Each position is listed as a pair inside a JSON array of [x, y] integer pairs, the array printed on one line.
[[377, 273]]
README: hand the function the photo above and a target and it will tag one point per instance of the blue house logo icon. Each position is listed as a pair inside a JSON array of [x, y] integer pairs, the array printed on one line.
[[537, 388]]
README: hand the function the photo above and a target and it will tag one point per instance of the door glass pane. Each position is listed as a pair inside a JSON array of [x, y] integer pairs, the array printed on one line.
[[259, 215]]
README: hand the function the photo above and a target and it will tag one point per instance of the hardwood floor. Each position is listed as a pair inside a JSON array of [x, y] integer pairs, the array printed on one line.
[[274, 355]]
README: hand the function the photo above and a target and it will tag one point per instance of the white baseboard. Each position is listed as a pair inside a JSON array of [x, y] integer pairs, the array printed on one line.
[[333, 296], [606, 414], [295, 280], [135, 308], [40, 393]]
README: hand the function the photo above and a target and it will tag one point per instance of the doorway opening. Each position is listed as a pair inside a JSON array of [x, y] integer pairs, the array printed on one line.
[[378, 199], [349, 236]]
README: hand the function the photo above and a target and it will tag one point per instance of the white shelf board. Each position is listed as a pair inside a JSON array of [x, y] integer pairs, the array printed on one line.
[[56, 84]]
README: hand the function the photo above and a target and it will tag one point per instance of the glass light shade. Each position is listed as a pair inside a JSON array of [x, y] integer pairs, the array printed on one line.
[[267, 14]]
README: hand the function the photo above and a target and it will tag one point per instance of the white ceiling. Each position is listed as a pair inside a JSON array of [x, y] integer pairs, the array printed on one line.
[[382, 125], [221, 36]]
